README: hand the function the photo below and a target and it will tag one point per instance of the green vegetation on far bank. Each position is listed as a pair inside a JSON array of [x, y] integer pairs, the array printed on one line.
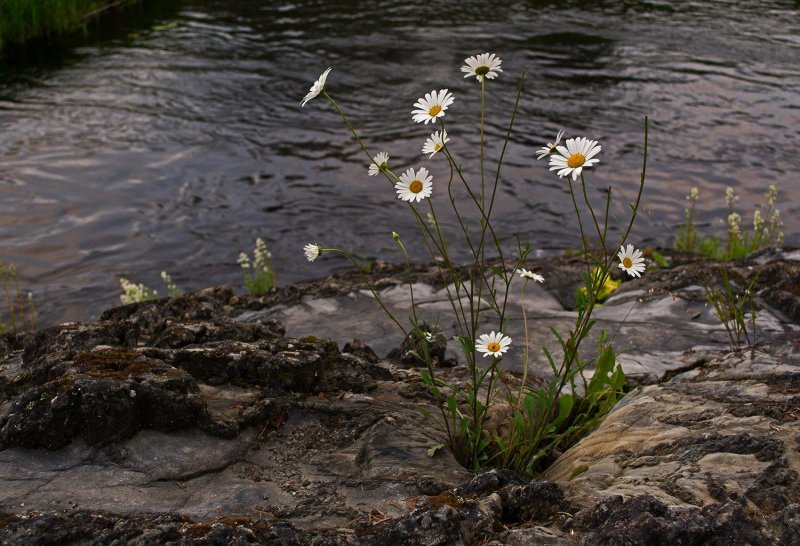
[[22, 20]]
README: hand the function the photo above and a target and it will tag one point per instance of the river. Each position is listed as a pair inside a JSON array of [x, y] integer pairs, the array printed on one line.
[[172, 141]]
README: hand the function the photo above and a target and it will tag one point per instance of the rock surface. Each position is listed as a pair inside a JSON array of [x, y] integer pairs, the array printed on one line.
[[203, 420]]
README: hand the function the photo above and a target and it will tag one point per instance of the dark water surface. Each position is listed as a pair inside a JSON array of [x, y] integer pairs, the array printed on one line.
[[173, 143]]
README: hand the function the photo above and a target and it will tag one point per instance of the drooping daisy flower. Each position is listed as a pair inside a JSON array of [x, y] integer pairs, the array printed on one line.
[[631, 261], [435, 143], [544, 151], [524, 273], [414, 186], [379, 162], [432, 106], [572, 158], [485, 65], [317, 88], [492, 344], [312, 251]]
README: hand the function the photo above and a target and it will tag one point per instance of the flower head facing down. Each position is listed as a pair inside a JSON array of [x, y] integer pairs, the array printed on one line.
[[316, 89], [485, 65], [574, 157], [379, 163], [432, 106], [631, 261], [435, 143], [312, 251], [530, 275], [414, 186], [494, 344], [544, 151]]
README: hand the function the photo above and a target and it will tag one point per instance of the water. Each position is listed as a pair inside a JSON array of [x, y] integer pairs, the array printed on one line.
[[173, 142]]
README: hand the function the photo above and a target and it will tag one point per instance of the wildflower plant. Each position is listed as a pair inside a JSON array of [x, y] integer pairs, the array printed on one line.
[[479, 294], [739, 241], [137, 293], [20, 308], [258, 274]]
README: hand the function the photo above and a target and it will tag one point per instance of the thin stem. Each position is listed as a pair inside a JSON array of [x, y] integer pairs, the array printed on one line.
[[369, 285]]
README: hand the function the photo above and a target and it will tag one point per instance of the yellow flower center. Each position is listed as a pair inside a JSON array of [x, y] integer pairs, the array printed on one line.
[[437, 147], [575, 161], [435, 109], [415, 186], [627, 263], [493, 347]]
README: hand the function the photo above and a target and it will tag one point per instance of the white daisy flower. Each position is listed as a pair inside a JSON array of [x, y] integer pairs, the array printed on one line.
[[492, 344], [316, 89], [432, 106], [524, 273], [312, 251], [572, 158], [631, 261], [485, 65], [544, 151], [435, 143], [379, 162], [414, 186]]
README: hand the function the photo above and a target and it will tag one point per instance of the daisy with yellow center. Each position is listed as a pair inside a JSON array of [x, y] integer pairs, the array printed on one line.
[[631, 261], [485, 65], [414, 186], [317, 88], [379, 163], [435, 143], [432, 106], [494, 344], [574, 157], [544, 151]]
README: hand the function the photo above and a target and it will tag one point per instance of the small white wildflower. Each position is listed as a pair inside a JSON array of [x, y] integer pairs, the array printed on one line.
[[734, 223], [693, 195], [435, 143], [317, 88], [312, 251], [730, 197], [772, 195], [494, 344], [631, 261], [432, 106], [544, 151], [414, 186], [243, 260], [758, 221], [485, 65], [574, 157], [525, 274], [379, 163]]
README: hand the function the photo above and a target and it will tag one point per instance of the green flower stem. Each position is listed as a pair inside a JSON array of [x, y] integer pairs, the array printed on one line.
[[366, 281], [594, 218], [410, 279], [526, 355], [635, 206]]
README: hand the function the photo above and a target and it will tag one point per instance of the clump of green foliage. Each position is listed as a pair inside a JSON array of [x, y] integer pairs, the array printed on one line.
[[739, 241], [20, 309], [21, 20], [736, 311]]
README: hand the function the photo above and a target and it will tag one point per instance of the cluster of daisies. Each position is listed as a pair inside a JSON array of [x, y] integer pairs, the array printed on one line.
[[413, 185]]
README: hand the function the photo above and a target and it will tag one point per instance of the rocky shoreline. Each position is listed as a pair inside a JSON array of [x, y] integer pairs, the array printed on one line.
[[216, 418]]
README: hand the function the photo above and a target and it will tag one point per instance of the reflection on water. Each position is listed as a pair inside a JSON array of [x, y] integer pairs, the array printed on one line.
[[173, 143]]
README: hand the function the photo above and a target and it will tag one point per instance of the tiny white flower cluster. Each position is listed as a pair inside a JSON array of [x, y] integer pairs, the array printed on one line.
[[262, 277], [135, 293], [730, 197]]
